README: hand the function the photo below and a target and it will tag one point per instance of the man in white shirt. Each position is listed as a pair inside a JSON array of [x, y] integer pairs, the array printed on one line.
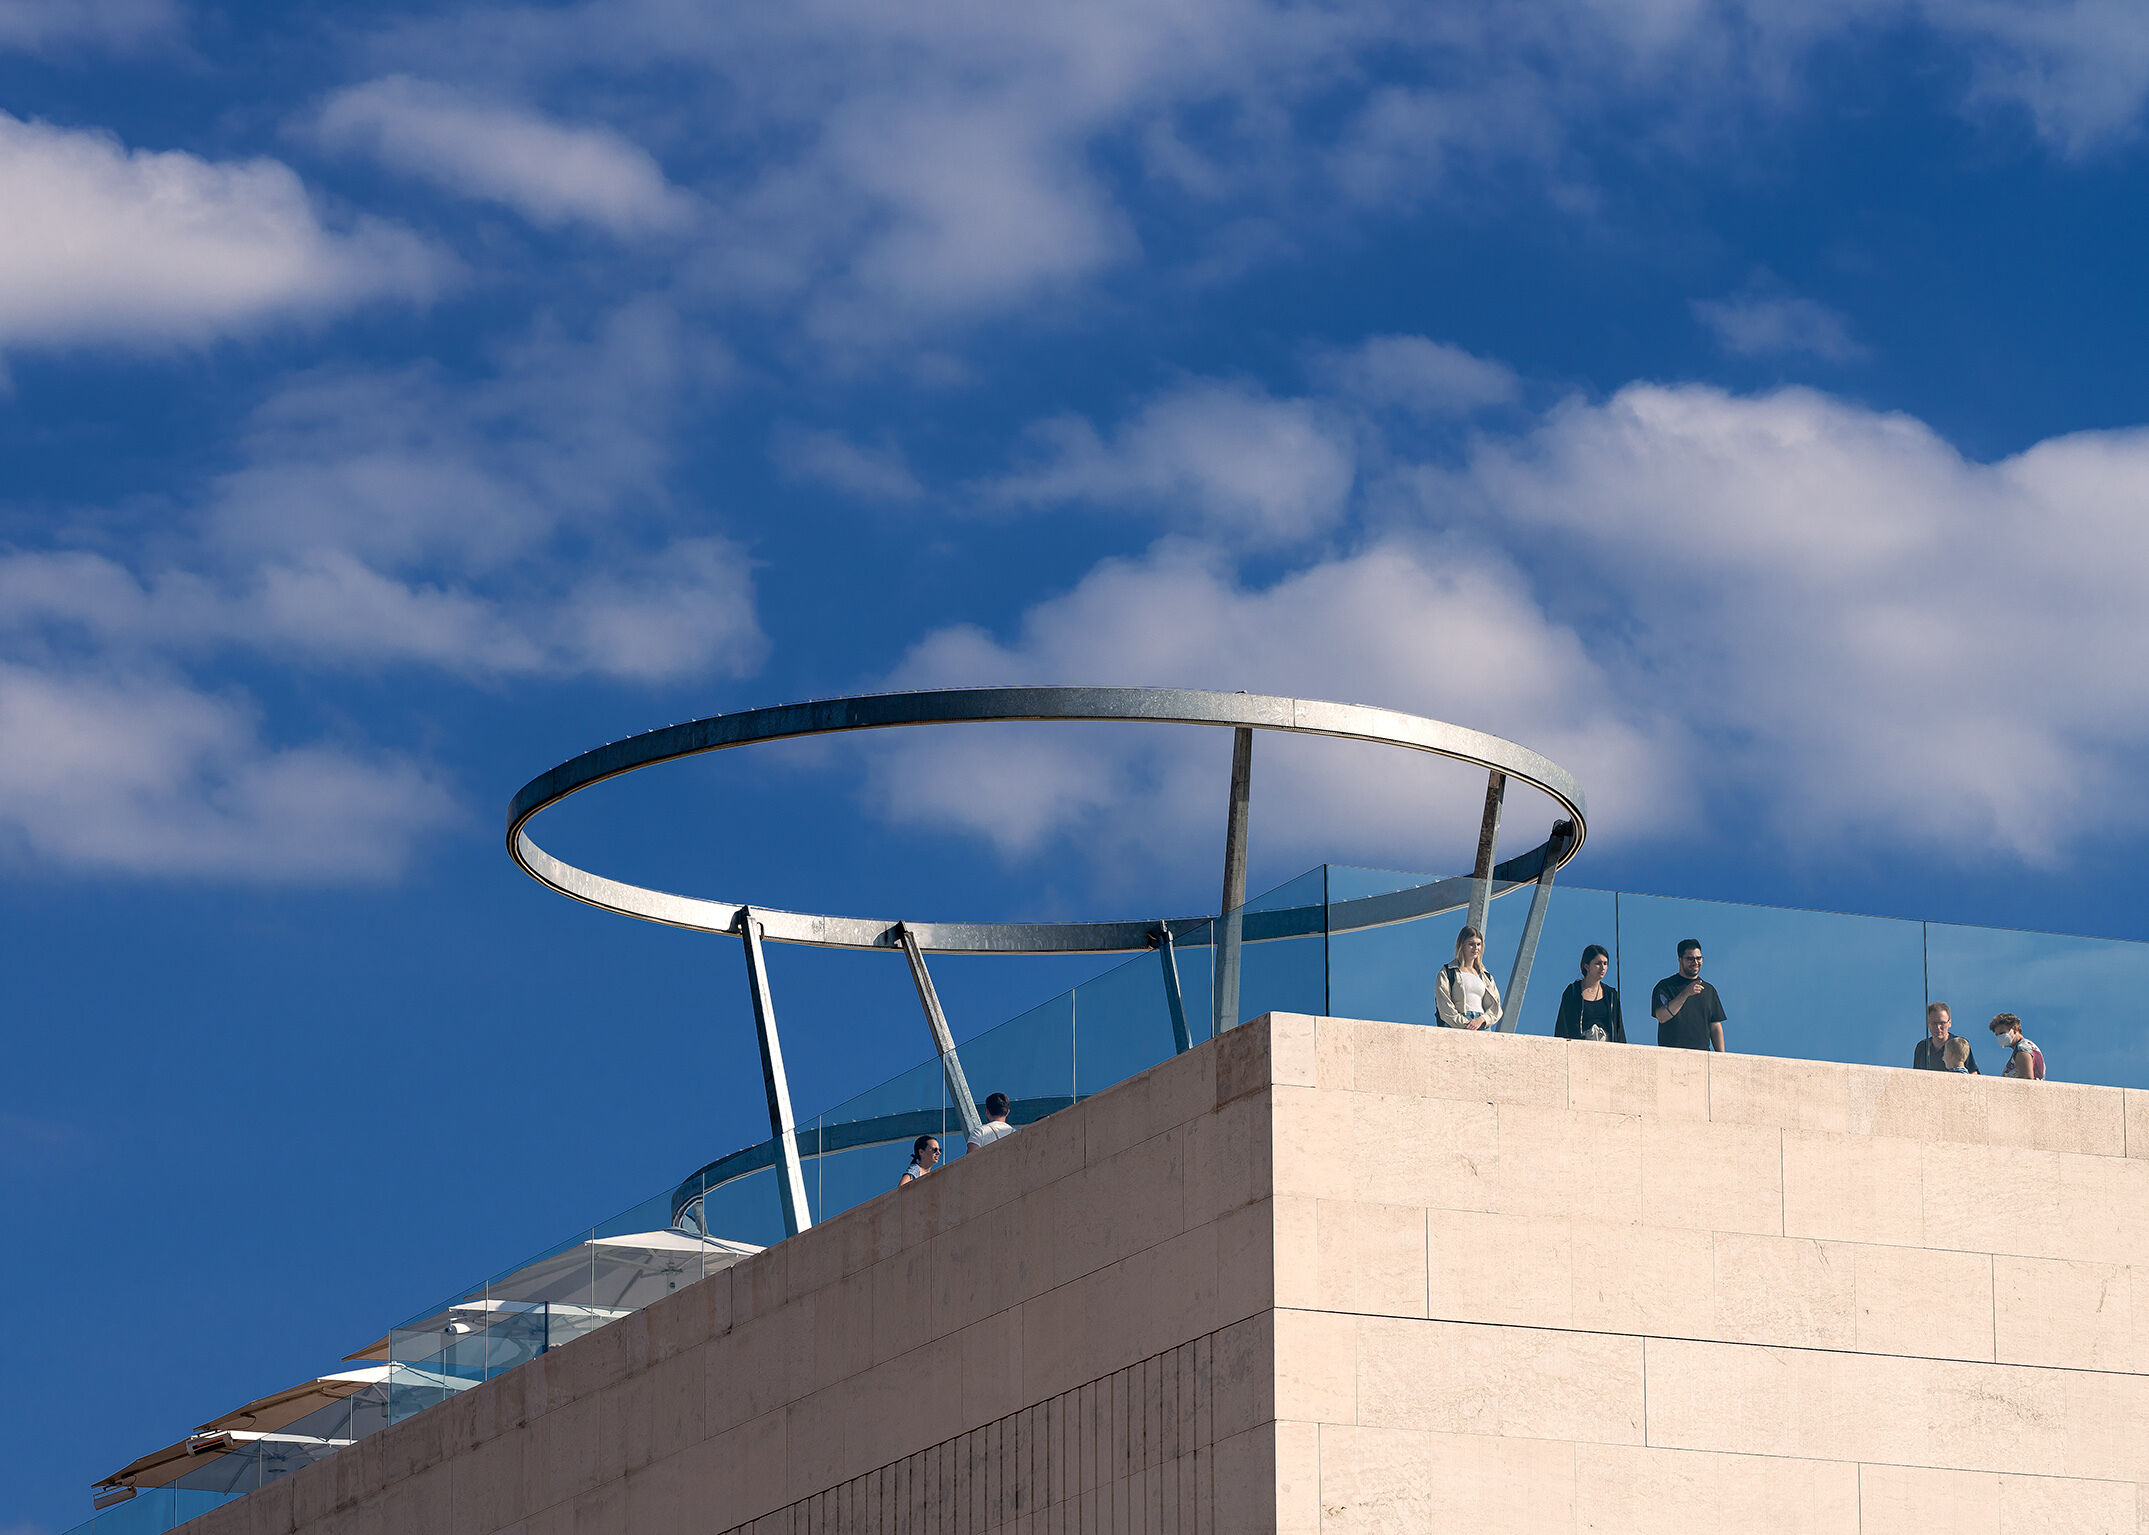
[[996, 1126]]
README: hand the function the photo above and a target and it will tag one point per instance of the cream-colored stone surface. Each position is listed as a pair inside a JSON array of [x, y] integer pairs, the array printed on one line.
[[1351, 1276], [1713, 1177], [1855, 1188], [2052, 1312], [1914, 1300], [1791, 1291], [1369, 1257], [1388, 1481], [1635, 1490]]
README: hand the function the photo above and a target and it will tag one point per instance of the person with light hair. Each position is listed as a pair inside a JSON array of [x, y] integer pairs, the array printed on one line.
[[1464, 996]]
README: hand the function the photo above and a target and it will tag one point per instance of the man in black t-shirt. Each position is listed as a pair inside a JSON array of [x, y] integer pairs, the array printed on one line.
[[1690, 1016]]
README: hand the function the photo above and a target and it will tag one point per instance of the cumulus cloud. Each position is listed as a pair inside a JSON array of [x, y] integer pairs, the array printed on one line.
[[820, 457], [1440, 628], [43, 26], [516, 526], [1225, 458], [1876, 637], [154, 777], [887, 170], [551, 173], [387, 519], [1765, 324], [1419, 375], [106, 244], [1783, 610]]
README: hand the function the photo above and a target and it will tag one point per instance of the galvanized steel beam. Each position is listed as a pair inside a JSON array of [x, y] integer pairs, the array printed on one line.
[[783, 1129], [1488, 843], [951, 1064], [1174, 998], [1251, 711], [1533, 926], [1224, 993]]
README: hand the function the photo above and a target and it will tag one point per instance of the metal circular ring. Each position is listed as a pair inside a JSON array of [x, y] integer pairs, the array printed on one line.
[[879, 711]]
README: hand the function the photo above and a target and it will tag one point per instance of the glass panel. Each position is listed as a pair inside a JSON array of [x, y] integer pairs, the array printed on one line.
[[1122, 1024], [747, 1209], [1389, 934], [1283, 965], [884, 1121], [1813, 985], [1574, 919], [1030, 1058], [2077, 998]]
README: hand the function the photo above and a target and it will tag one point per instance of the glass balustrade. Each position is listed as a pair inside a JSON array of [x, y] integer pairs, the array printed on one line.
[[1342, 941]]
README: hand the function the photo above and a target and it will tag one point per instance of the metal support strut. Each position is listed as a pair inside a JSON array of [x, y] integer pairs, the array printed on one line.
[[1231, 919], [1488, 843], [1533, 927], [951, 1065], [791, 1176], [1174, 998]]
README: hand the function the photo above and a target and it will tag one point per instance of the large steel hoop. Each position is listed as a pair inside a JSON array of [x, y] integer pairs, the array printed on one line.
[[1174, 706]]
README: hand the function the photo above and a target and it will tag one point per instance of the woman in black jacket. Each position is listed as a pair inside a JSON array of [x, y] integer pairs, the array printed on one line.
[[1589, 1009]]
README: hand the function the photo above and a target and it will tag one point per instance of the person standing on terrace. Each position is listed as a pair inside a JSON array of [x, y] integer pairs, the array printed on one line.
[[1463, 994], [1589, 1009], [1690, 1016], [1931, 1053], [2024, 1059], [924, 1157], [996, 1125]]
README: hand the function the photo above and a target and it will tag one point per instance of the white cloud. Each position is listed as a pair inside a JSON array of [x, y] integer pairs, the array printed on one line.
[[1763, 324], [153, 777], [1416, 374], [138, 248], [551, 173], [885, 170], [515, 526], [44, 26], [829, 458], [1444, 629], [1260, 472], [1874, 637], [1784, 610], [511, 526]]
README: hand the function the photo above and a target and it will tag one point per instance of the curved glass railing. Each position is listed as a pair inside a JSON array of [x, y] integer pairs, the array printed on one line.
[[1339, 941]]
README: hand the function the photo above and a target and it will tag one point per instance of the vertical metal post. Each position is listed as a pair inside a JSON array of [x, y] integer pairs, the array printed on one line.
[[1533, 926], [1231, 921], [951, 1065], [1174, 999], [790, 1175], [1488, 844]]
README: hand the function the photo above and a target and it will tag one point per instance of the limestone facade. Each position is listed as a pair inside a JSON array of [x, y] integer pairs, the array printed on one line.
[[1356, 1277]]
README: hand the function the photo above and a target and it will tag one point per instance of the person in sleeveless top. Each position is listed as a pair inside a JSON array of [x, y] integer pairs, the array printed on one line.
[[2025, 1060], [924, 1157], [1589, 1009], [1464, 996]]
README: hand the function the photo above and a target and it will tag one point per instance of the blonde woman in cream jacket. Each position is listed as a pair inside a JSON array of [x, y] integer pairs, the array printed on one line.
[[1464, 996]]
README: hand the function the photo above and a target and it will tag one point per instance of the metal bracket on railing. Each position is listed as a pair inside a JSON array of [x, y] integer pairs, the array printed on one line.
[[951, 1064], [1533, 926], [1174, 999], [783, 1129]]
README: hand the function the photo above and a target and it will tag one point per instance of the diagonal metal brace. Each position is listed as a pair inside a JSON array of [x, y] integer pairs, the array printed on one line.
[[951, 1064]]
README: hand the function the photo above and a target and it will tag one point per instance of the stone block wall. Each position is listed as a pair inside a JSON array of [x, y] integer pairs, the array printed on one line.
[[1325, 1275], [1525, 1285], [1113, 1246]]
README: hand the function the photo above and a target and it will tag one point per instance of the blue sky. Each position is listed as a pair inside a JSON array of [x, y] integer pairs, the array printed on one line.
[[1740, 402]]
